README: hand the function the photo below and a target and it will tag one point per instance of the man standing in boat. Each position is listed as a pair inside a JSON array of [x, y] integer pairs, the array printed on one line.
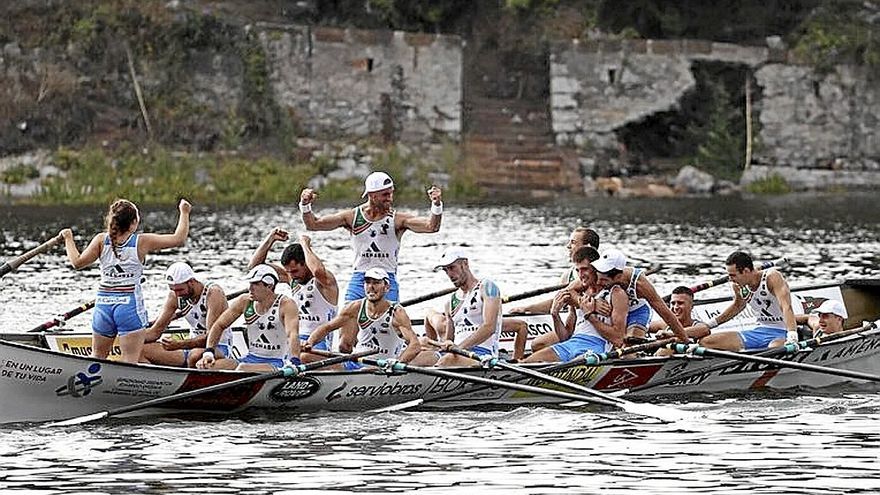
[[612, 271], [271, 327], [200, 304], [313, 286], [375, 228], [767, 292], [473, 313], [381, 324], [586, 330]]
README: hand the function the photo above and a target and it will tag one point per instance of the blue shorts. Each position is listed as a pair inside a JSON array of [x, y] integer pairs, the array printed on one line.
[[352, 366], [579, 344], [277, 363], [356, 291], [323, 345], [639, 316], [760, 337], [482, 351], [118, 314]]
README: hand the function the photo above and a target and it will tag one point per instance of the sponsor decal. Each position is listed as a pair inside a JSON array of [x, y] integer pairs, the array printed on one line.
[[295, 388], [627, 377], [81, 383], [850, 350], [336, 392], [385, 389], [81, 345], [582, 375]]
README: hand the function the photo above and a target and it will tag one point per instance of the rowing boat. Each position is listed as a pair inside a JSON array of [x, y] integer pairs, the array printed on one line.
[[41, 384]]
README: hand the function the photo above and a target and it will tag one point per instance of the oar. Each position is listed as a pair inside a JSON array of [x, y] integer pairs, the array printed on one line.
[[285, 372], [394, 365], [592, 359], [531, 293], [777, 351], [428, 297], [698, 350], [14, 263], [667, 414], [724, 279]]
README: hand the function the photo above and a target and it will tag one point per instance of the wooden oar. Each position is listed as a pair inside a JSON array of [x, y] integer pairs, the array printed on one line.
[[14, 263], [777, 351], [667, 414], [285, 372], [723, 279], [428, 297], [532, 293], [394, 365]]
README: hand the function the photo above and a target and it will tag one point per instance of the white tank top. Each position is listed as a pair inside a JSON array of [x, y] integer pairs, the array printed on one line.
[[196, 314], [122, 273], [314, 310], [583, 326], [375, 243], [266, 335], [467, 316], [378, 334], [635, 302], [768, 313]]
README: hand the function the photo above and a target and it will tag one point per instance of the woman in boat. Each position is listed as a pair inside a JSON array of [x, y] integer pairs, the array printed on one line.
[[121, 252]]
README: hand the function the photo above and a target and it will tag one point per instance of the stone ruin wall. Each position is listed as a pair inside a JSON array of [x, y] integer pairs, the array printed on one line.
[[816, 130]]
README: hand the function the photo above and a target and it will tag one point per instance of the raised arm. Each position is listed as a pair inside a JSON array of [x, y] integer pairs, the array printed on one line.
[[90, 253], [401, 322], [424, 225], [155, 242], [328, 222], [262, 252], [491, 312], [325, 279]]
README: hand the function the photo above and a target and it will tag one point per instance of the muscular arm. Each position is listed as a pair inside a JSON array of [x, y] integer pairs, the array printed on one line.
[[491, 312], [422, 225], [735, 307], [326, 281], [348, 313], [89, 255], [226, 319], [779, 288], [403, 326], [616, 331], [153, 333], [154, 242], [328, 222]]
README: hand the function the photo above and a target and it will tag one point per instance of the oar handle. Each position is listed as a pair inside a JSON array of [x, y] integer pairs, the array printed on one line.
[[14, 263], [61, 319], [531, 293], [725, 278]]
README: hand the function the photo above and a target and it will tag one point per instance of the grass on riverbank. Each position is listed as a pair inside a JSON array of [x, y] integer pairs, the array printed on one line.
[[160, 176]]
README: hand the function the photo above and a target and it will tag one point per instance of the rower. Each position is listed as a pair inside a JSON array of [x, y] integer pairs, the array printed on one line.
[[121, 252], [473, 313], [580, 236], [586, 330], [271, 327], [313, 286], [375, 228], [681, 303], [612, 270], [200, 304], [767, 292], [828, 318], [381, 324]]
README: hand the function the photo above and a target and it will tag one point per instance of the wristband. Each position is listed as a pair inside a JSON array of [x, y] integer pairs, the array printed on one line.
[[208, 353], [712, 323], [437, 209], [305, 208]]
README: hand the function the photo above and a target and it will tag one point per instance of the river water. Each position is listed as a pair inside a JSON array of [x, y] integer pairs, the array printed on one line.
[[764, 443]]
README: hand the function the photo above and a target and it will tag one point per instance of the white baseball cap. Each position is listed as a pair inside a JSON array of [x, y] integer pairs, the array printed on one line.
[[610, 259], [178, 273], [832, 306], [263, 273], [376, 274], [377, 181], [449, 256]]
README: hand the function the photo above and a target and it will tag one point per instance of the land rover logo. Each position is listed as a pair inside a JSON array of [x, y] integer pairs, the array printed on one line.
[[295, 388]]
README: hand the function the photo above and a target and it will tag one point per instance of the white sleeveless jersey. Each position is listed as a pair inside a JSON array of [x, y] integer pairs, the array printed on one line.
[[121, 270], [314, 310], [768, 313], [635, 302], [467, 316], [266, 335], [375, 243], [378, 334], [196, 314]]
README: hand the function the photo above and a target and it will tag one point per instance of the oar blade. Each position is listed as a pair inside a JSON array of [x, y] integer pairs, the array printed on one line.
[[398, 407], [78, 420], [665, 414]]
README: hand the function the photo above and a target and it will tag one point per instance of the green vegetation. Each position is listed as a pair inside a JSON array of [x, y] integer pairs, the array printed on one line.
[[841, 33], [19, 174], [772, 184]]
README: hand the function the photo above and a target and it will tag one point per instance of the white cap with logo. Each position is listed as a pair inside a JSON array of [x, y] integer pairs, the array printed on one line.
[[449, 256], [833, 307], [262, 273], [377, 181], [376, 274], [610, 259], [179, 273]]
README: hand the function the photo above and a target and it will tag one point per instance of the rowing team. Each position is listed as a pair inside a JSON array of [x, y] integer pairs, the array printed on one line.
[[605, 302]]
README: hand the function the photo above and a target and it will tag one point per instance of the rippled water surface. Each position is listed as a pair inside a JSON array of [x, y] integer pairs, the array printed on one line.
[[763, 443]]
